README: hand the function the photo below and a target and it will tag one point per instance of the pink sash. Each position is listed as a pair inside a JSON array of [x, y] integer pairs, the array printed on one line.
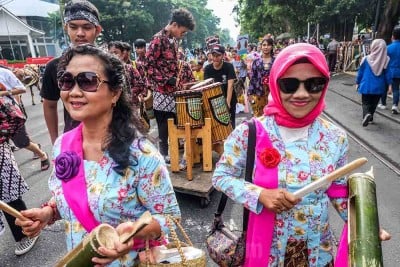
[[261, 226], [259, 239], [75, 190]]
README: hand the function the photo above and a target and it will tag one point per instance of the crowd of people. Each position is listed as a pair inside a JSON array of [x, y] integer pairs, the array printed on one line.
[[107, 169]]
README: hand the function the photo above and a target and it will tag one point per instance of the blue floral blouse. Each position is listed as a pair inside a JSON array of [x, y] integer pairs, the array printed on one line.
[[114, 199], [302, 162], [258, 72]]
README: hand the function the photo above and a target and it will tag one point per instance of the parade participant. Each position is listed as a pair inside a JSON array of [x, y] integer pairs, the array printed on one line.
[[372, 79], [258, 88], [140, 48], [11, 85], [163, 71], [82, 24], [136, 84], [223, 72], [209, 59], [118, 173], [332, 54], [302, 147], [198, 71], [12, 184], [126, 53], [239, 65], [393, 51]]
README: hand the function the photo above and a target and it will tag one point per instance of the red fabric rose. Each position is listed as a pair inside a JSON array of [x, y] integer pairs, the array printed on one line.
[[270, 157], [265, 80]]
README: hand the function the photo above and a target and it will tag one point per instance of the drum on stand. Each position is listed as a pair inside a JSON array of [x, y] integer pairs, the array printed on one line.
[[188, 105], [215, 107]]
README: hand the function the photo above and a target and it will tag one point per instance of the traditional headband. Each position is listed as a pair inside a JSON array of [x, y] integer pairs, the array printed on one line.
[[81, 15]]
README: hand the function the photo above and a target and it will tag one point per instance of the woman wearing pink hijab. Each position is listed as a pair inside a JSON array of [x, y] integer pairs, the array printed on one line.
[[294, 147]]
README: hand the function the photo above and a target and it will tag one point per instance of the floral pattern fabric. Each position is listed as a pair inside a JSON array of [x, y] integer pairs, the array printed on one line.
[[258, 73], [162, 61], [136, 83], [114, 199], [302, 162]]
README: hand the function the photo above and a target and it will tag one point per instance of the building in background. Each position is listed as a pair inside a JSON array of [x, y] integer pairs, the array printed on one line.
[[26, 29]]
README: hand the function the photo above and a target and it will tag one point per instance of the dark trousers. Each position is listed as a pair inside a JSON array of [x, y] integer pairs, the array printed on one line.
[[332, 61], [369, 103], [16, 231], [232, 111], [162, 124]]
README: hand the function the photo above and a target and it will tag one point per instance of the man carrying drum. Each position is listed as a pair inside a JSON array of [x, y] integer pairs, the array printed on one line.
[[224, 73]]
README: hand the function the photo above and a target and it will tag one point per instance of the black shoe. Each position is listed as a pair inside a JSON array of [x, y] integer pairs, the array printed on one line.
[[366, 120]]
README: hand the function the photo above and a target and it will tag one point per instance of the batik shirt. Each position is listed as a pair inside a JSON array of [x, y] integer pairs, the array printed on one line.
[[303, 161], [136, 83], [259, 73], [162, 61], [114, 199]]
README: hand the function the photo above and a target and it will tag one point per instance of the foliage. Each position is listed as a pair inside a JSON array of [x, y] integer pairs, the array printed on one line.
[[337, 17], [128, 20]]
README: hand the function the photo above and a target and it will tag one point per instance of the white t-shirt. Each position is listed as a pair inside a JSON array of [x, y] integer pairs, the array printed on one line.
[[9, 81]]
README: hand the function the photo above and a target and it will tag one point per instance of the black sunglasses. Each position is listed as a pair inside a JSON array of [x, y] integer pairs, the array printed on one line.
[[313, 85], [87, 81]]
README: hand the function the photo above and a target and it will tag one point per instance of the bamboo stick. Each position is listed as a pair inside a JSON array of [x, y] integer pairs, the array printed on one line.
[[10, 210], [365, 248], [330, 177]]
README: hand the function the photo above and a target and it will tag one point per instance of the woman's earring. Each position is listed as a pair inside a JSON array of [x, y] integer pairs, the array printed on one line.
[[113, 105]]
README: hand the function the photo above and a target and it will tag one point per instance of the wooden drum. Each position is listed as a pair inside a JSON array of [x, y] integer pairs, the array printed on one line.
[[215, 107], [188, 105]]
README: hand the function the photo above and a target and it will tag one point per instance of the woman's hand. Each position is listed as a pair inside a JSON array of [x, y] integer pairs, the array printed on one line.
[[36, 220], [390, 89], [119, 250], [383, 235], [278, 200]]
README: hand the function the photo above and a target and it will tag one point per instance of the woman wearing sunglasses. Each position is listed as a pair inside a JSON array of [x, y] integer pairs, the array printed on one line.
[[105, 170], [294, 146]]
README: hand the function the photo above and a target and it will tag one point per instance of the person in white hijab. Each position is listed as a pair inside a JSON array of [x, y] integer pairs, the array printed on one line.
[[372, 78]]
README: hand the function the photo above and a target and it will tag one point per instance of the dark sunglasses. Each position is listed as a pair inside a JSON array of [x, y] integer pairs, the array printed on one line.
[[313, 85], [87, 81]]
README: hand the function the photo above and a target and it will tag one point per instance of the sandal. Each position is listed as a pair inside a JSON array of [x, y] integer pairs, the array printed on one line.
[[45, 164]]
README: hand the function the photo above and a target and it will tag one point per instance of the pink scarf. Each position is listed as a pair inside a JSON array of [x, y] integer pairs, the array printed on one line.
[[286, 58], [259, 239], [75, 189]]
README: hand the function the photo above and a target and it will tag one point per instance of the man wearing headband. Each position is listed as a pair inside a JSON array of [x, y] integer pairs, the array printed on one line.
[[82, 24]]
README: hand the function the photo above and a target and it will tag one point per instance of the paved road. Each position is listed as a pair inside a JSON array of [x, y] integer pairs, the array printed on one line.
[[51, 247]]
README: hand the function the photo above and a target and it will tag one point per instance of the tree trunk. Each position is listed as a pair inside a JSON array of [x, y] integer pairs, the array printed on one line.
[[389, 19]]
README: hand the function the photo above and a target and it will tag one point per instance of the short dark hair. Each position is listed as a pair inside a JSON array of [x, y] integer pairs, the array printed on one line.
[[269, 41], [140, 43], [396, 33], [125, 123], [116, 44], [126, 46], [184, 18]]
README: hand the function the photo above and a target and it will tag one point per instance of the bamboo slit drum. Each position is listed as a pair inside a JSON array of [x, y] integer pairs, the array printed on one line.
[[215, 107], [365, 248], [189, 108], [104, 235]]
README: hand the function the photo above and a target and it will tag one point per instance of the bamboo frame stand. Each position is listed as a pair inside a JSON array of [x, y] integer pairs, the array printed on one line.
[[191, 148]]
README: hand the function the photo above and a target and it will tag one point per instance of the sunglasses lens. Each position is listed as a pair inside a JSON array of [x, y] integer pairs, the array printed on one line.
[[288, 85], [87, 81], [315, 85], [66, 82]]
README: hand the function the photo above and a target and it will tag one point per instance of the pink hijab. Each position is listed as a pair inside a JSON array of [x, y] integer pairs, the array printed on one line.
[[286, 58]]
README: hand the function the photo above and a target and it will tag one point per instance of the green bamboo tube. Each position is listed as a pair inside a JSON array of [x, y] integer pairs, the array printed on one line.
[[364, 245], [103, 235]]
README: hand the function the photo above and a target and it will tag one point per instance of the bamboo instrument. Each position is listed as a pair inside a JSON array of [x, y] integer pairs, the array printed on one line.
[[364, 244], [330, 177], [103, 235], [10, 210]]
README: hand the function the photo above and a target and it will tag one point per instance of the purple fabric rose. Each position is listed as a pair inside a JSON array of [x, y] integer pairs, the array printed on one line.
[[67, 165]]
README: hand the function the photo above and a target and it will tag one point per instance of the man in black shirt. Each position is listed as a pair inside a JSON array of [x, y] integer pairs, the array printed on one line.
[[223, 72], [82, 24]]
